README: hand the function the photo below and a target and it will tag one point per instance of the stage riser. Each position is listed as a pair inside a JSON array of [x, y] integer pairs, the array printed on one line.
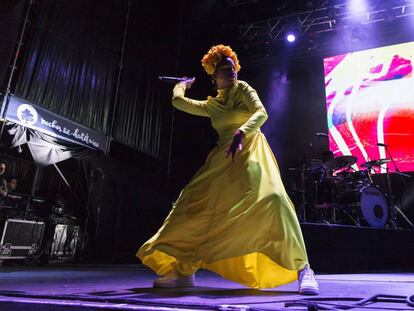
[[343, 249]]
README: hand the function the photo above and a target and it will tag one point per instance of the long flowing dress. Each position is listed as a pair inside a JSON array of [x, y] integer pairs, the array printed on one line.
[[234, 219]]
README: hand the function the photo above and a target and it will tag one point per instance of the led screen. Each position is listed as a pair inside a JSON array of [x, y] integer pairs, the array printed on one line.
[[370, 101]]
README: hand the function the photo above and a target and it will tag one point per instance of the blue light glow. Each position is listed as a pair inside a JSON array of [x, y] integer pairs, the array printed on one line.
[[290, 37]]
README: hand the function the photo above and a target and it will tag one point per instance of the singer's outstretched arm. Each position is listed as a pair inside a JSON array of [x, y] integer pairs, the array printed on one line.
[[179, 101]]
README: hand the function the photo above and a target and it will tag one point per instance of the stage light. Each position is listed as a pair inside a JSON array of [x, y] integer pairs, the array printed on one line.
[[358, 6], [290, 37]]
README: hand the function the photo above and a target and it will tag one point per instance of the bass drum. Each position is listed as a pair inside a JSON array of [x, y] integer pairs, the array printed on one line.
[[368, 205], [374, 206]]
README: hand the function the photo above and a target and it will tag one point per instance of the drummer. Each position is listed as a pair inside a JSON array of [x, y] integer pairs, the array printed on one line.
[[327, 155]]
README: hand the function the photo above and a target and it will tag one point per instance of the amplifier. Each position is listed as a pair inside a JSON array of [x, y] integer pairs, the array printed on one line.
[[21, 238]]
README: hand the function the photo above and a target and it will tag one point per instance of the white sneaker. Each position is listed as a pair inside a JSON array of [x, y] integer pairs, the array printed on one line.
[[307, 282], [171, 280]]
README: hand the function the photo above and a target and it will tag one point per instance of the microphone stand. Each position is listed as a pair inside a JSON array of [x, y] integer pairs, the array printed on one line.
[[396, 167], [304, 176], [84, 236], [393, 207], [94, 176]]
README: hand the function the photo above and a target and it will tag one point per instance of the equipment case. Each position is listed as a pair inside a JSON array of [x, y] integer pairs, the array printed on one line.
[[21, 238]]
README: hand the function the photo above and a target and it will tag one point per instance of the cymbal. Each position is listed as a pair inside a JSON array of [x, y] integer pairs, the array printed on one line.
[[341, 162], [373, 163]]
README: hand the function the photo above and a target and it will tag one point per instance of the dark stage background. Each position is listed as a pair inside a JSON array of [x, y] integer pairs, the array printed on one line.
[[97, 62]]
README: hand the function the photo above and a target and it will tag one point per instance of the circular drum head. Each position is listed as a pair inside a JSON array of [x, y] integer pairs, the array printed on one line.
[[374, 206]]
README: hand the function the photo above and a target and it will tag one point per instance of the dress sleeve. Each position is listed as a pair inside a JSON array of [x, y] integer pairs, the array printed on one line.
[[191, 106], [259, 115]]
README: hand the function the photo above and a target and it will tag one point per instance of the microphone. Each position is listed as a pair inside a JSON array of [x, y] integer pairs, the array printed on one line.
[[321, 134], [381, 145], [172, 79]]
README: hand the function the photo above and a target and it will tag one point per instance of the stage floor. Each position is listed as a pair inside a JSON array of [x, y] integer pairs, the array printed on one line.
[[129, 287]]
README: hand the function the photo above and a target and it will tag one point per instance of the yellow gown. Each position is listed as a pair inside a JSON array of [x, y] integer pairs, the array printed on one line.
[[234, 219]]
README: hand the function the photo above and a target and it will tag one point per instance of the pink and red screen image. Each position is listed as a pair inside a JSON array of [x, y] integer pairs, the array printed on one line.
[[370, 101]]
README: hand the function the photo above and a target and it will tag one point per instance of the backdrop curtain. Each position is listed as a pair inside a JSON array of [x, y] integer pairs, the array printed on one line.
[[70, 58], [11, 13], [70, 61]]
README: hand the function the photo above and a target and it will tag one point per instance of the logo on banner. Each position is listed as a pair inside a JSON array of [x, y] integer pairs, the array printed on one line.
[[27, 114]]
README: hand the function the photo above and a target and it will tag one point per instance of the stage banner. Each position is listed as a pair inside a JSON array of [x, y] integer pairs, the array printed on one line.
[[22, 112]]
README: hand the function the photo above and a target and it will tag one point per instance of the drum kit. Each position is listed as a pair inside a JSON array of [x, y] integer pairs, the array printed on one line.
[[334, 192]]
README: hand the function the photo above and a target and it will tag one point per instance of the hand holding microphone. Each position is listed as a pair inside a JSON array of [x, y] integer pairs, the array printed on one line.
[[188, 81]]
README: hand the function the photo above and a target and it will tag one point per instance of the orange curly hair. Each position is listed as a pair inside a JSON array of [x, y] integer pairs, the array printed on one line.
[[215, 55]]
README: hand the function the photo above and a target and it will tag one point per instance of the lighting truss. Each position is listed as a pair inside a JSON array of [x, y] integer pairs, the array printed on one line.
[[325, 19]]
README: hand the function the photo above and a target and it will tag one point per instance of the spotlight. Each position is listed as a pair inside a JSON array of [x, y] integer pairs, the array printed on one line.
[[290, 37], [358, 6]]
